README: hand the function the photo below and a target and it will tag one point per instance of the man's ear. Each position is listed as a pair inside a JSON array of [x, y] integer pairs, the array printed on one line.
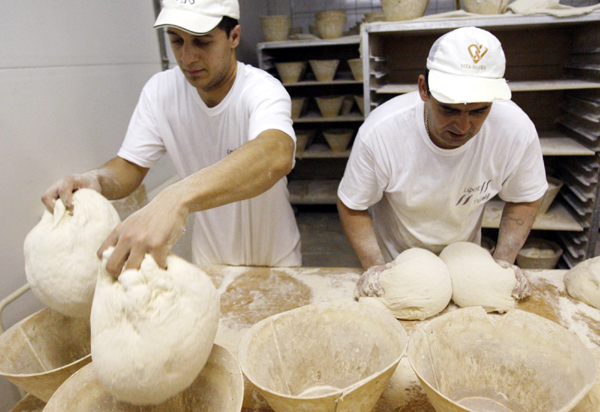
[[423, 88], [234, 36]]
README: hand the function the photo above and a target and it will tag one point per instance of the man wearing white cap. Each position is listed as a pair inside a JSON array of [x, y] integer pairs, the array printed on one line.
[[427, 162], [228, 130]]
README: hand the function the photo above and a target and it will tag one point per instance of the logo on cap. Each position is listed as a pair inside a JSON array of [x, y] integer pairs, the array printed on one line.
[[477, 52]]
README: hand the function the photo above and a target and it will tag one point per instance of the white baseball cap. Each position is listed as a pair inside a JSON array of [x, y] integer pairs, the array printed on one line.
[[196, 16], [467, 65]]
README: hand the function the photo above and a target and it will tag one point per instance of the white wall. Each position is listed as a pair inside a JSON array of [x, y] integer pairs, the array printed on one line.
[[70, 75]]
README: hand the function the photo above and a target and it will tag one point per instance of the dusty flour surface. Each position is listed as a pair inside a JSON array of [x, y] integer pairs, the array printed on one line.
[[290, 288]]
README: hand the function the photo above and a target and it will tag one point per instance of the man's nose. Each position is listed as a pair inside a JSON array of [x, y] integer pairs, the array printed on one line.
[[463, 123], [188, 54]]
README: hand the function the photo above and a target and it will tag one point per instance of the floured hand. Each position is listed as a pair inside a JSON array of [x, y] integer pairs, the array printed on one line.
[[368, 283], [522, 288], [154, 229]]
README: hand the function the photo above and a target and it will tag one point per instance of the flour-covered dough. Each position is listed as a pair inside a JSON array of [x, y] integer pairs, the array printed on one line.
[[60, 252], [417, 287], [152, 329], [583, 282], [477, 280]]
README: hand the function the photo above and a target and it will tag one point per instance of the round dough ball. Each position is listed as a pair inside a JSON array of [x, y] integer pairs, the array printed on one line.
[[583, 282], [152, 329], [477, 280], [417, 287], [61, 264]]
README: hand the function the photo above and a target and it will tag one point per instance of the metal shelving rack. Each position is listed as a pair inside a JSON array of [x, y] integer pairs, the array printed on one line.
[[318, 169]]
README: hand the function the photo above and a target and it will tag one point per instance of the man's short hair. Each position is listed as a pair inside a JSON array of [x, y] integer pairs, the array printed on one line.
[[227, 24]]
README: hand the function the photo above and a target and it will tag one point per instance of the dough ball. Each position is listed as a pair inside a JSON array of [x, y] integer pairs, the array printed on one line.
[[60, 252], [583, 282], [477, 280], [152, 329], [417, 287]]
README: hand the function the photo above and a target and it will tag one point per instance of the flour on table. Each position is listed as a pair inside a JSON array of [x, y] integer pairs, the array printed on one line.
[[60, 252], [152, 329], [417, 287], [477, 280], [583, 282]]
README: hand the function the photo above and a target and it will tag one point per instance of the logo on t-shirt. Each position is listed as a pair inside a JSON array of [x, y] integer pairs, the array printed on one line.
[[475, 195]]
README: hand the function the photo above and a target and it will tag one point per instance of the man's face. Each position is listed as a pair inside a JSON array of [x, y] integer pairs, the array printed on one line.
[[453, 125], [207, 61]]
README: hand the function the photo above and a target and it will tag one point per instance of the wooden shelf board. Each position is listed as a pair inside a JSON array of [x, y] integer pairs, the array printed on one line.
[[318, 83], [354, 39], [322, 152], [311, 192], [314, 117], [525, 86], [325, 192], [556, 218], [563, 146]]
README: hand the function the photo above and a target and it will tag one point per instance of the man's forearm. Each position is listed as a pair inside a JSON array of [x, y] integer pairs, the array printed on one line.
[[245, 173], [515, 225], [358, 226], [118, 177]]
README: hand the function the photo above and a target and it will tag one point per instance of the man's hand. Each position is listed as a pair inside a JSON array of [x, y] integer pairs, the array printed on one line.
[[153, 229], [522, 288], [368, 283], [64, 189]]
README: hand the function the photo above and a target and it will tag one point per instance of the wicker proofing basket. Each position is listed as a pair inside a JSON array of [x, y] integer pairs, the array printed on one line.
[[348, 354], [218, 387], [324, 70], [486, 6], [397, 10], [330, 24], [40, 352], [467, 360], [276, 28], [290, 72], [338, 139], [554, 186], [356, 68], [330, 106], [539, 254]]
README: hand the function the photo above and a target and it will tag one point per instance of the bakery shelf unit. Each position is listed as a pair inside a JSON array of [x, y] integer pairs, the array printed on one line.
[[318, 169], [553, 68]]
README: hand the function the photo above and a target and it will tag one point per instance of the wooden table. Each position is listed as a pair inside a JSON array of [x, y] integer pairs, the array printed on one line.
[[249, 295]]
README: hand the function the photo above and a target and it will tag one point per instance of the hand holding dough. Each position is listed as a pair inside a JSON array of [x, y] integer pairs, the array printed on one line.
[[152, 329], [522, 288], [477, 280], [60, 252], [416, 285]]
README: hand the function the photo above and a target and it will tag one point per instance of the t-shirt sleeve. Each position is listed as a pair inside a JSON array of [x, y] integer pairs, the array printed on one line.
[[142, 144], [271, 108], [360, 188], [526, 182]]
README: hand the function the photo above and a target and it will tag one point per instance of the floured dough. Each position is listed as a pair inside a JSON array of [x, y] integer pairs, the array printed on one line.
[[418, 286], [477, 280], [153, 329], [60, 252], [583, 282]]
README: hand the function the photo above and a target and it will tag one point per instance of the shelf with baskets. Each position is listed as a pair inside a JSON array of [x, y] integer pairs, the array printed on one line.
[[553, 68], [324, 79]]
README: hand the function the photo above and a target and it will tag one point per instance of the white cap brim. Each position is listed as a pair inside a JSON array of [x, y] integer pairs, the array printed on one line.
[[191, 22], [453, 89]]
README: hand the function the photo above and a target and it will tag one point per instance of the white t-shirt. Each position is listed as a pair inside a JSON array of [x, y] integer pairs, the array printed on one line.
[[428, 197], [172, 118]]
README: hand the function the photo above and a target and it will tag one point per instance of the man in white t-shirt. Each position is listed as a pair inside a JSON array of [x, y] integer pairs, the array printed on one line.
[[228, 130], [426, 163]]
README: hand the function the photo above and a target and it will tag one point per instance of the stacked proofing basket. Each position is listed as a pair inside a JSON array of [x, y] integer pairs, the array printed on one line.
[[47, 355]]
